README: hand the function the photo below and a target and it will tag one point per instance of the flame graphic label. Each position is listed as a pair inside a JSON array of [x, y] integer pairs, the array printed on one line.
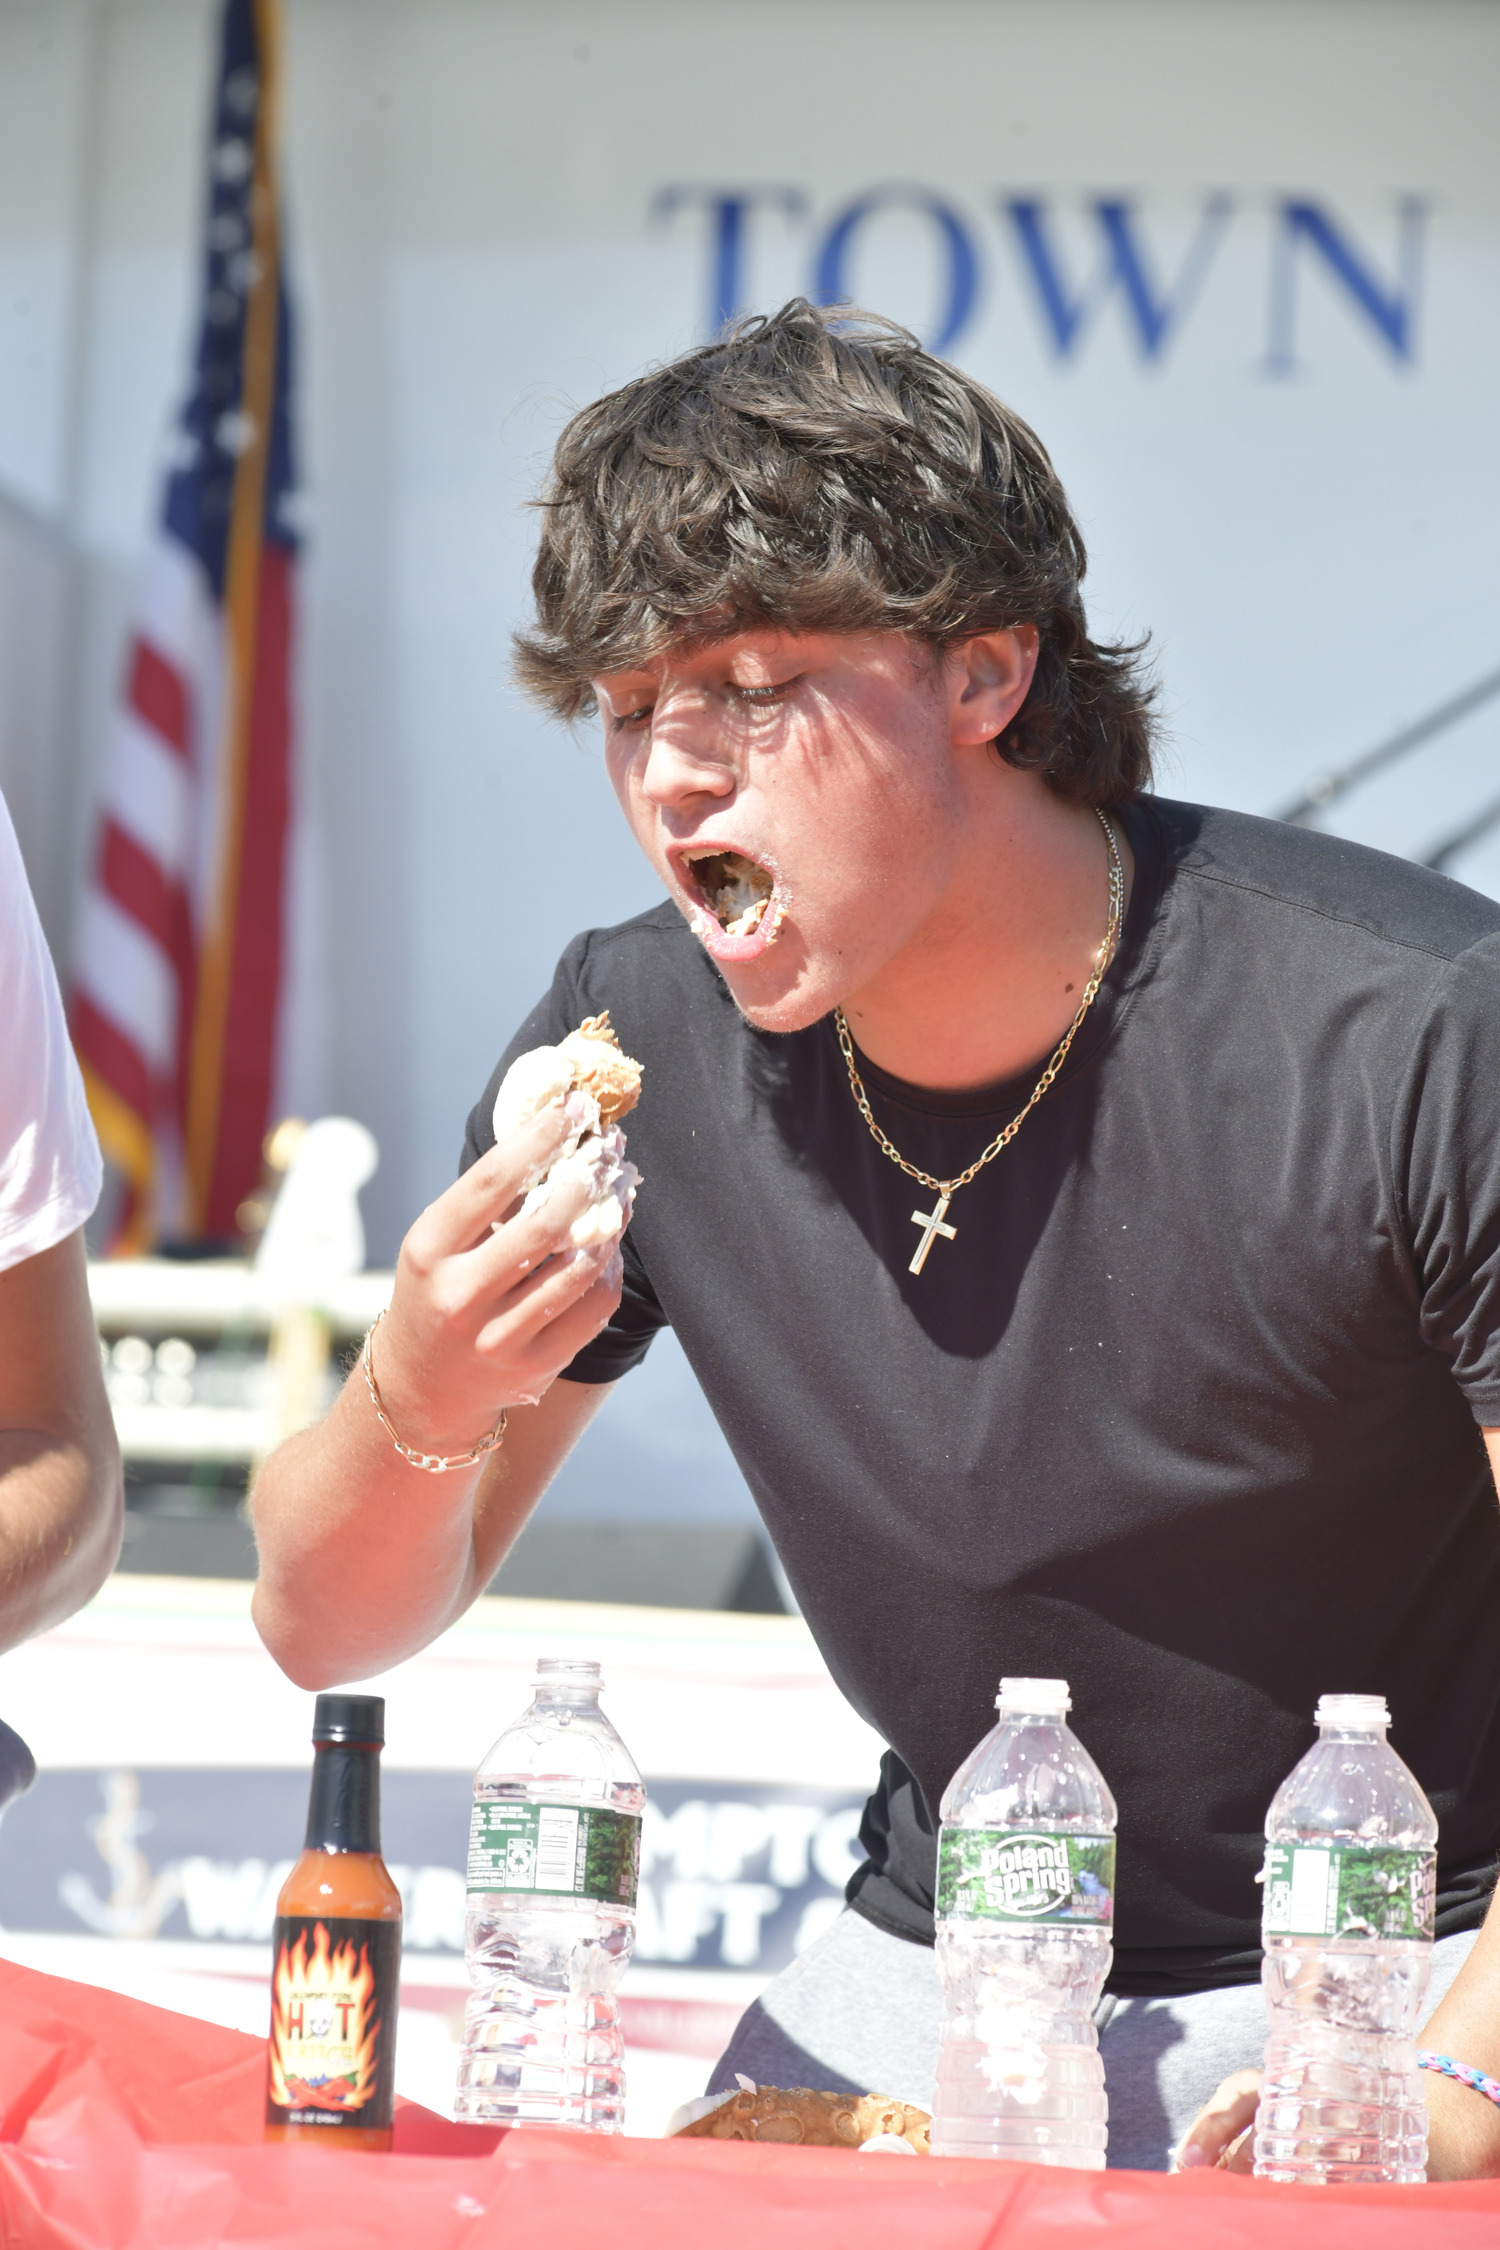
[[333, 2021]]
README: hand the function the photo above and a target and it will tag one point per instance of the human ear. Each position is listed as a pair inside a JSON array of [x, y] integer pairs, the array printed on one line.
[[989, 679]]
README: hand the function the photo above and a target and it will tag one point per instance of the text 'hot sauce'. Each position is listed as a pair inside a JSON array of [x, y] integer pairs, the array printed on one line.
[[337, 1953]]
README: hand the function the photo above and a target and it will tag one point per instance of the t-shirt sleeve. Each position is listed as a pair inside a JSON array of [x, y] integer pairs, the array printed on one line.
[[1447, 1170], [50, 1169], [624, 1343]]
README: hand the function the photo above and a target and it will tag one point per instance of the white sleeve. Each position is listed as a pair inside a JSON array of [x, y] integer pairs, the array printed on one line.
[[50, 1171]]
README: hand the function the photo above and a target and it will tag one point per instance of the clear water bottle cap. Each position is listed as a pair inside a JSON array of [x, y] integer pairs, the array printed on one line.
[[575, 1672], [1034, 1695], [1353, 1714]]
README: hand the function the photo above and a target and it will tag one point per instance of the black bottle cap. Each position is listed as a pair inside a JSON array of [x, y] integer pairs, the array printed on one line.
[[349, 1718]]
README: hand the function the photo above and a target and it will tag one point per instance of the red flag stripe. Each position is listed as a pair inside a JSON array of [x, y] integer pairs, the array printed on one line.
[[158, 693], [141, 887], [118, 1061]]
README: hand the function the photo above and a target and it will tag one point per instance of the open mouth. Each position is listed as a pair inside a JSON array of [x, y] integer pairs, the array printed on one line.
[[735, 890]]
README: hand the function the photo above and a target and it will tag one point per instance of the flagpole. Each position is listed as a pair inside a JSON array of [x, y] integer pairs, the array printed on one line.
[[241, 614]]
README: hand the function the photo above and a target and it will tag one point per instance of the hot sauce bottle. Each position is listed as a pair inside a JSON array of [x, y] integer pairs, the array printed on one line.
[[337, 1951]]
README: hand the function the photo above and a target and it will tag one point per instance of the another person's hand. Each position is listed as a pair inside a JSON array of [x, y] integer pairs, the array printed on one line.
[[485, 1315], [1224, 2129]]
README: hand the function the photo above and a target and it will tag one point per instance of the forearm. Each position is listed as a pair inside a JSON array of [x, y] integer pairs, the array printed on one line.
[[1464, 2140], [61, 1498], [363, 1559], [60, 1519]]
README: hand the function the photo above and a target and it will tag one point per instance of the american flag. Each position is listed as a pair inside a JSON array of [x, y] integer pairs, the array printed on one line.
[[180, 969]]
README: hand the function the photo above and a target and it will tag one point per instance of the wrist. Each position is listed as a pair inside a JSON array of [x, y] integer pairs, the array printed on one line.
[[1463, 2137], [419, 1438]]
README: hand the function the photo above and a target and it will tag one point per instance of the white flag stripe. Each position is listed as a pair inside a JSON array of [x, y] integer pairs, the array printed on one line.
[[176, 615], [175, 609], [148, 791], [128, 978]]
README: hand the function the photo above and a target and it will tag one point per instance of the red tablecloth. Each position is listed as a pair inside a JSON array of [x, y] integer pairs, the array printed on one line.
[[123, 2127]]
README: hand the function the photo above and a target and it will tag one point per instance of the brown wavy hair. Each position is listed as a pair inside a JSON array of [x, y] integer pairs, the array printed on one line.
[[817, 471]]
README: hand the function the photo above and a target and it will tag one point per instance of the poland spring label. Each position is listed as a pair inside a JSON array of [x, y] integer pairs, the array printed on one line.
[[568, 1851], [1021, 1875], [1348, 1891]]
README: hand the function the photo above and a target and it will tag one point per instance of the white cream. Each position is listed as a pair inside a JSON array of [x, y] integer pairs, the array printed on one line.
[[702, 2105], [599, 1165], [595, 1160], [543, 1075]]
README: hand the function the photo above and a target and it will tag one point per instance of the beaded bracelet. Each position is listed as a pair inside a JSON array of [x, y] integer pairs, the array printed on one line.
[[1463, 2072]]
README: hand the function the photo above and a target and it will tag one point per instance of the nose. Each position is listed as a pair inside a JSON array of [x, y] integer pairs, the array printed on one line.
[[687, 757]]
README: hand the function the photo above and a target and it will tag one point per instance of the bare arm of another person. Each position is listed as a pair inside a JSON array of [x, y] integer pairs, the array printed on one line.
[[1463, 2127], [364, 1559], [60, 1488]]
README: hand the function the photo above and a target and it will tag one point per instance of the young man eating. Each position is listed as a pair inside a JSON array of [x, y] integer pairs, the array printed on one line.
[[1081, 1210]]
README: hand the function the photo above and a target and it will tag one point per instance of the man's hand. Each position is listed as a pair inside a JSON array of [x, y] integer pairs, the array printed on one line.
[[483, 1316], [1224, 2129], [364, 1559], [61, 1498]]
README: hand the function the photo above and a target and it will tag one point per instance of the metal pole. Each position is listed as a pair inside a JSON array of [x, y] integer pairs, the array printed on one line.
[[1327, 787]]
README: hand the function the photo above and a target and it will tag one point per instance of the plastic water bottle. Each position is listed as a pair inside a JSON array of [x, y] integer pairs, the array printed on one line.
[[1350, 1877], [1025, 1910], [554, 1856]]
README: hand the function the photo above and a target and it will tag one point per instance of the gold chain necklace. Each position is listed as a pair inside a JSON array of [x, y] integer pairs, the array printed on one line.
[[932, 1222]]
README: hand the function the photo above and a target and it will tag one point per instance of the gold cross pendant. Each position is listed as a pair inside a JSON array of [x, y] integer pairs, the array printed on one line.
[[932, 1224]]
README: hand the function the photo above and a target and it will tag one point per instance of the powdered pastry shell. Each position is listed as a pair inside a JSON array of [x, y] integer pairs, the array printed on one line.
[[587, 1062], [772, 2113], [599, 1085]]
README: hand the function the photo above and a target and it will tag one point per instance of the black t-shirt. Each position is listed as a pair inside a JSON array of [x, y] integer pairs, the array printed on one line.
[[1188, 1412]]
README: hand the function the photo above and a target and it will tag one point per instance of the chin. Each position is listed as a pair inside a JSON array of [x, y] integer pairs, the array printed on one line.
[[778, 979], [788, 1001]]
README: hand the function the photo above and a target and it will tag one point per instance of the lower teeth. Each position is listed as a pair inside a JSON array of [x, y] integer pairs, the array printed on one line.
[[743, 924]]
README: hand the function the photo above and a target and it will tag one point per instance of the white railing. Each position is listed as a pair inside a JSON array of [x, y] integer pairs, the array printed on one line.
[[268, 1374]]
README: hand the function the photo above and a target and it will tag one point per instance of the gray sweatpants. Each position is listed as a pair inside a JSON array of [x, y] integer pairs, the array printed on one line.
[[860, 2012]]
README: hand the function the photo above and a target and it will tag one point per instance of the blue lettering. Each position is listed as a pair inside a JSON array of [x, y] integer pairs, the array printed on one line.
[[1155, 314], [728, 209], [829, 284], [1390, 308]]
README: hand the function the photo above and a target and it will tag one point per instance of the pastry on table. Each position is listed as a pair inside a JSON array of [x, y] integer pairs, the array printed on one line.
[[799, 2116]]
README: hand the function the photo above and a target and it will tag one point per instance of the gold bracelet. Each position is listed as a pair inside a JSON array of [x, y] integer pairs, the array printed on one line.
[[434, 1463]]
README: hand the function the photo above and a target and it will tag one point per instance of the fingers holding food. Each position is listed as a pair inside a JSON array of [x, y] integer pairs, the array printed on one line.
[[464, 1213], [531, 1340], [504, 1279]]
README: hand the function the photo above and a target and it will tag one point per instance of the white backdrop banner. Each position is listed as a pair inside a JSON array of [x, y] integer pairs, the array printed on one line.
[[1238, 261]]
